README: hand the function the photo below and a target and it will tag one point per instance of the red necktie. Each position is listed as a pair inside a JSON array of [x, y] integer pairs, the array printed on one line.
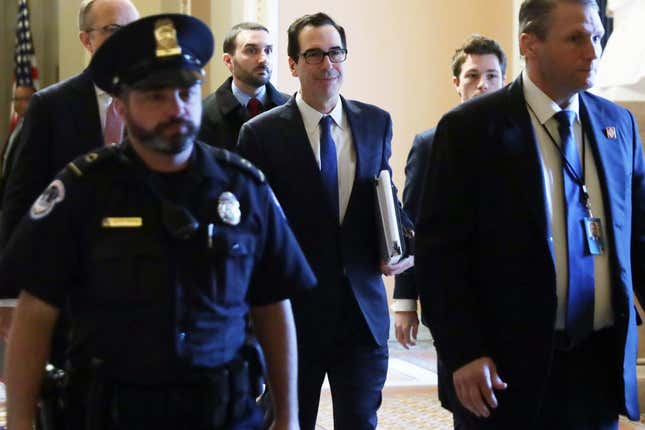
[[254, 106], [113, 132]]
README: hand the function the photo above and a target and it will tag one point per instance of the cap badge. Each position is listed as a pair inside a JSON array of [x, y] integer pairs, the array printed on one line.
[[166, 37], [228, 208]]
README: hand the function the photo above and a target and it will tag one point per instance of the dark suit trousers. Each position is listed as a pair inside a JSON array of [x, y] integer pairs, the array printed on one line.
[[355, 366], [583, 391]]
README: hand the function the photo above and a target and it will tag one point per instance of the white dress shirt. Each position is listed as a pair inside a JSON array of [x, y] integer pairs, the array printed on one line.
[[545, 109], [345, 151], [103, 100]]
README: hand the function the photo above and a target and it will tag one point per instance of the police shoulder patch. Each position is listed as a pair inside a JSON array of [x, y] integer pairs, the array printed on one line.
[[84, 163], [53, 194], [239, 162]]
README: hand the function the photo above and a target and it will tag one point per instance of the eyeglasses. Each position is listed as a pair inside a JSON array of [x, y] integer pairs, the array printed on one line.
[[316, 56], [108, 29]]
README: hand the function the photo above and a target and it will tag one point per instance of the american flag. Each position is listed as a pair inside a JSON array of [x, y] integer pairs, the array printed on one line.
[[26, 71]]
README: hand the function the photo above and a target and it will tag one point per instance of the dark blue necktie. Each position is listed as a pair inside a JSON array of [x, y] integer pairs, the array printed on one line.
[[329, 163], [580, 298]]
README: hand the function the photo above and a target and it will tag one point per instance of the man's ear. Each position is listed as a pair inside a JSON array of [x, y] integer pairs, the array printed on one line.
[[455, 83], [227, 59], [84, 37], [292, 67], [528, 44]]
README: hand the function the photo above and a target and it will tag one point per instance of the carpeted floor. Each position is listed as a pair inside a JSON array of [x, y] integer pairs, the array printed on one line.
[[410, 395], [402, 408], [412, 408]]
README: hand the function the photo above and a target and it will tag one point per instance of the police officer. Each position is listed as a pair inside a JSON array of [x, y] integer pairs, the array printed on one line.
[[161, 246]]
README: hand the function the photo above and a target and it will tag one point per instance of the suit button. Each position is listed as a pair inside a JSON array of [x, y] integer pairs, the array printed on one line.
[[181, 337]]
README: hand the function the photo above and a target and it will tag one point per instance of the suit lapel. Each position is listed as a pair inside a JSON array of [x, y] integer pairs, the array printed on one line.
[[360, 138], [521, 144], [87, 118], [610, 162], [296, 142], [369, 150], [275, 97], [303, 167], [227, 101]]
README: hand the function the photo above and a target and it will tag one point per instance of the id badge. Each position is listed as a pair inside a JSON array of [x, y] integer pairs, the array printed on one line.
[[593, 233]]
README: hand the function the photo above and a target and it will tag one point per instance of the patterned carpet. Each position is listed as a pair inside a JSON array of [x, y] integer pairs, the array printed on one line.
[[403, 408], [414, 409], [410, 395]]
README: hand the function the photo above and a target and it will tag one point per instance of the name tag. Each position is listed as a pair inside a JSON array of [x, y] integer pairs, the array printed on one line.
[[122, 222]]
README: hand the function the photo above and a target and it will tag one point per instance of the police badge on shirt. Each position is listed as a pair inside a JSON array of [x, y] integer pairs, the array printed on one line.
[[53, 194]]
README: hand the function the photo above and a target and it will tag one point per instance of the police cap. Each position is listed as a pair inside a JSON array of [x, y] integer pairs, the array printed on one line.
[[153, 52]]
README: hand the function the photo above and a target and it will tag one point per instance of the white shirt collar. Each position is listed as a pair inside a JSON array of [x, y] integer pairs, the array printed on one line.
[[102, 96], [542, 104], [311, 117]]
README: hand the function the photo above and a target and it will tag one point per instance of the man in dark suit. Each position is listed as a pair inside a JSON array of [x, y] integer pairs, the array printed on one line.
[[62, 122], [21, 97], [478, 67], [321, 153], [248, 55], [534, 327]]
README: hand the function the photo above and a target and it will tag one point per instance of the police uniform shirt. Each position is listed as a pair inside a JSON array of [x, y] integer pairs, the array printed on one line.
[[148, 304]]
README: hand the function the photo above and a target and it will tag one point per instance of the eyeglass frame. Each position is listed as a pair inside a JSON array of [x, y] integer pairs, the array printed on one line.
[[328, 54], [110, 29]]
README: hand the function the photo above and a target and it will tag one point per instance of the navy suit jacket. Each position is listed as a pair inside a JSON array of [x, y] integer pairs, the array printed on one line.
[[223, 115], [277, 143], [9, 152], [484, 258], [61, 123], [415, 167]]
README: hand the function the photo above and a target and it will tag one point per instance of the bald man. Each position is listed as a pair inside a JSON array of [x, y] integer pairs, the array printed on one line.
[[62, 122]]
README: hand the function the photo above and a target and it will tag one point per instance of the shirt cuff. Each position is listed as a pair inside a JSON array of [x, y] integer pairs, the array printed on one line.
[[8, 303], [404, 305]]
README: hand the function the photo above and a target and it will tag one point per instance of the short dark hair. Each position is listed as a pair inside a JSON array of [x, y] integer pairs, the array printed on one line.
[[535, 14], [316, 20], [478, 45], [230, 41]]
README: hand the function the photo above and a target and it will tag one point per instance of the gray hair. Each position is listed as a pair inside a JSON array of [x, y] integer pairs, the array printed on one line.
[[83, 15]]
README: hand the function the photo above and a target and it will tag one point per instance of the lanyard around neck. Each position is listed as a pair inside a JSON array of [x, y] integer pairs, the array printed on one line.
[[578, 178]]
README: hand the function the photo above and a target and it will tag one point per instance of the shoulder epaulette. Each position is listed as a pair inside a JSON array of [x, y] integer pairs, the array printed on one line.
[[237, 161], [92, 159]]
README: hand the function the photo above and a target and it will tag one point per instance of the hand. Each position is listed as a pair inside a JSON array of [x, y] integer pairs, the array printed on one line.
[[397, 268], [475, 383], [406, 326], [6, 316]]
